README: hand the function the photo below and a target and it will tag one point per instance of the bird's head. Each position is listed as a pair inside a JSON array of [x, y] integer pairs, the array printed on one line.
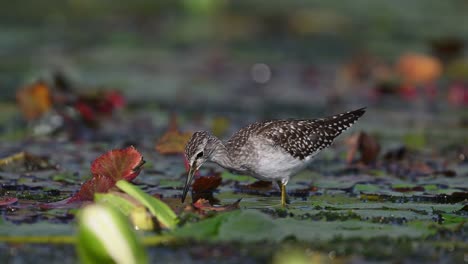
[[197, 151]]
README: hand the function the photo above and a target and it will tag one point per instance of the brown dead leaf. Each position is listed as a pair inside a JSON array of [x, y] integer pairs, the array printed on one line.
[[34, 100], [366, 145], [173, 141]]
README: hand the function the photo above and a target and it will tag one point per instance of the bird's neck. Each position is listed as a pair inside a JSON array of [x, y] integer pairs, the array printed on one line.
[[220, 155]]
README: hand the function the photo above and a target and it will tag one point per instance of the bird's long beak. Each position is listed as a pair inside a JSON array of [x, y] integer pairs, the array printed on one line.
[[191, 172]]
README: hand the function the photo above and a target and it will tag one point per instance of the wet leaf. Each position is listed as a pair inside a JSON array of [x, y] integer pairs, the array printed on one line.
[[5, 201], [204, 205], [173, 141], [107, 169], [118, 164], [34, 100], [253, 226], [159, 209], [105, 236], [97, 184], [206, 183]]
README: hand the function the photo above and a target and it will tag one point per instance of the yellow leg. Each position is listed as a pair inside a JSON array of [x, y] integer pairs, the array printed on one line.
[[284, 195]]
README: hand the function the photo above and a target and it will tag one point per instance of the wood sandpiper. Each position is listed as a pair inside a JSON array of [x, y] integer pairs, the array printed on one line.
[[270, 150]]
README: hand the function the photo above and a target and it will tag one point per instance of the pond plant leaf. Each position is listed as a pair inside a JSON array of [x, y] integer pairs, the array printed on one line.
[[206, 183], [204, 205], [34, 100], [106, 236], [119, 164], [173, 141], [129, 206], [254, 226], [5, 201], [166, 217], [97, 184]]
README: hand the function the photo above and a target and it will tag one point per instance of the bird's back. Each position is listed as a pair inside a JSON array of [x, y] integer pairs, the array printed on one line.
[[301, 138]]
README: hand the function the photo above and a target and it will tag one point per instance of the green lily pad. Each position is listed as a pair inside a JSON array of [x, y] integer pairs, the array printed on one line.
[[253, 226]]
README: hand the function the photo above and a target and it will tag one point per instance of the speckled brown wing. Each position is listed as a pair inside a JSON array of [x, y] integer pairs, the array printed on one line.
[[302, 138], [237, 142]]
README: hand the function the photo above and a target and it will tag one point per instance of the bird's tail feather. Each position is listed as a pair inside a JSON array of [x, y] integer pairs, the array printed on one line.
[[341, 122]]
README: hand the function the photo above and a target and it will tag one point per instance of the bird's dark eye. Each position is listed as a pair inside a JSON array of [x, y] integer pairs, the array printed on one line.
[[199, 155]]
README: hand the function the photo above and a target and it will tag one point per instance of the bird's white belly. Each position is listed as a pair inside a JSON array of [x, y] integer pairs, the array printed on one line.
[[274, 163]]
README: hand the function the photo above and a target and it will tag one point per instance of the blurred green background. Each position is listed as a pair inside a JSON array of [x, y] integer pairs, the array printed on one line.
[[216, 51]]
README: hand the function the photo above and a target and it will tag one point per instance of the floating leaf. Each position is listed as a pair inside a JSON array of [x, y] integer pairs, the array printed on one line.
[[97, 184], [105, 236], [34, 100], [206, 183], [5, 201], [159, 209], [173, 141], [110, 167], [204, 205], [118, 164], [254, 226]]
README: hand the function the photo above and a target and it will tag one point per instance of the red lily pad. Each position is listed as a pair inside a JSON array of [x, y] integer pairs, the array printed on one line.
[[5, 201], [206, 183], [118, 164], [97, 184]]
